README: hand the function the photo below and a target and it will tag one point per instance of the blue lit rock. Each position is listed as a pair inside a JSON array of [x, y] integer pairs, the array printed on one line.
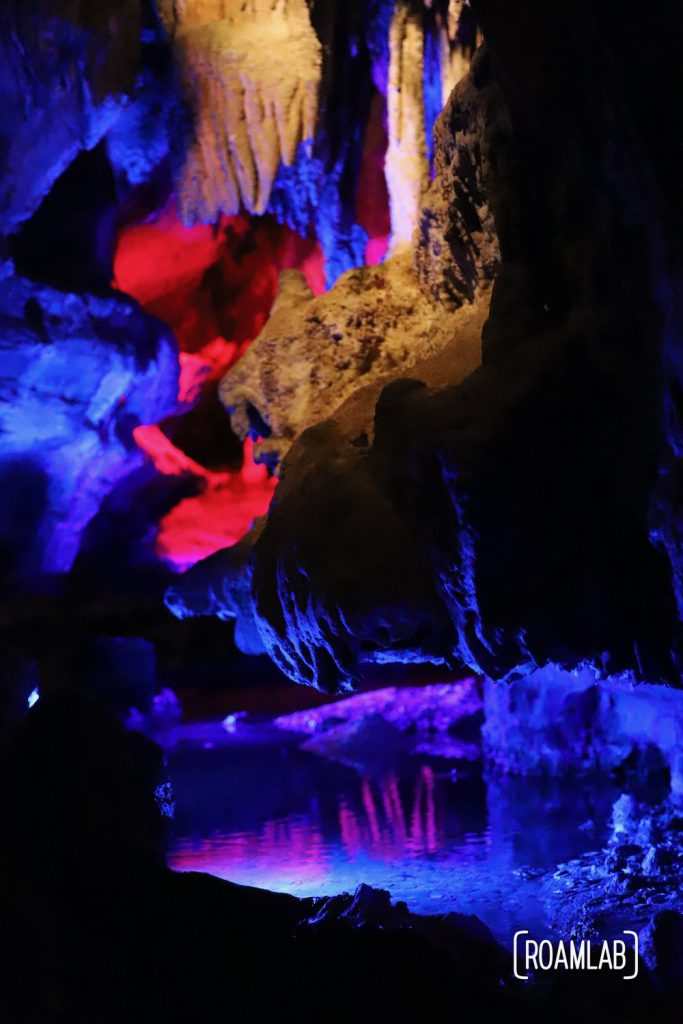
[[66, 70], [605, 733], [629, 883], [220, 585], [552, 722], [79, 373]]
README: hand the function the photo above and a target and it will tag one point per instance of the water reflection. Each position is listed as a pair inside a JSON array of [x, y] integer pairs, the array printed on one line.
[[253, 808], [383, 827]]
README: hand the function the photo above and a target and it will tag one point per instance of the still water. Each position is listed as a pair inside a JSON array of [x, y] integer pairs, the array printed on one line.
[[253, 808]]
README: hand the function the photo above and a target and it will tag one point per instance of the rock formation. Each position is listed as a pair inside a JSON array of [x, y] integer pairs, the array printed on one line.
[[421, 315], [67, 70], [374, 323], [79, 373], [261, 78], [378, 322], [508, 520], [252, 73], [406, 165]]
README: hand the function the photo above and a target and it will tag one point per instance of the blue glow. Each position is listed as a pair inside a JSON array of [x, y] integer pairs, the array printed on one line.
[[432, 88], [296, 191], [231, 721], [33, 697], [378, 24], [438, 839], [163, 796], [305, 197]]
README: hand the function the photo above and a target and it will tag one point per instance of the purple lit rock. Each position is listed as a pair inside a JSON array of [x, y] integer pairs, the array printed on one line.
[[419, 719]]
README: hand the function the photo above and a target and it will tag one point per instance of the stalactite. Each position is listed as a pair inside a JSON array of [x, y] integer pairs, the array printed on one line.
[[455, 57], [251, 72], [406, 167]]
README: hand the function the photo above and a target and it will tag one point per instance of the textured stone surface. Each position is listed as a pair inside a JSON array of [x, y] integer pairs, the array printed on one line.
[[315, 352], [78, 374], [456, 245], [510, 515], [252, 73], [221, 585], [406, 166], [67, 69], [440, 720], [633, 882], [378, 322], [377, 325], [563, 723]]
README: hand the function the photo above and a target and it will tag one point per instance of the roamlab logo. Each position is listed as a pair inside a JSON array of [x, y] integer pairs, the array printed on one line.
[[610, 955]]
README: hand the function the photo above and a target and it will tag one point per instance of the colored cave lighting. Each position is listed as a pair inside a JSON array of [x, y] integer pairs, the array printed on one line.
[[294, 853], [216, 518], [211, 281], [230, 722], [33, 697], [214, 286]]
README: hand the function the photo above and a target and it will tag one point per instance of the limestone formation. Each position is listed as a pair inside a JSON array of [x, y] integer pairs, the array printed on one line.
[[456, 244], [329, 359], [314, 352], [378, 322], [406, 166], [454, 58], [528, 512], [251, 72]]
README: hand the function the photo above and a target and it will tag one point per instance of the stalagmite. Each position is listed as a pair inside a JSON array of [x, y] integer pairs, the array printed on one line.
[[251, 73]]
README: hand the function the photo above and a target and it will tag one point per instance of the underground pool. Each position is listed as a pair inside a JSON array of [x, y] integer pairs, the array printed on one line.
[[439, 834]]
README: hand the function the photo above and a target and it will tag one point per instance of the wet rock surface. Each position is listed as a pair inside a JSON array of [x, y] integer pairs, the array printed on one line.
[[629, 883]]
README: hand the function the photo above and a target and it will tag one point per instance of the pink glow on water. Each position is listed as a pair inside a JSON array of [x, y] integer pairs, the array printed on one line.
[[384, 833], [296, 854], [285, 849]]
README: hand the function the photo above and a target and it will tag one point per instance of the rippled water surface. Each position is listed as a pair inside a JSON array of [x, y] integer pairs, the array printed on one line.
[[253, 808]]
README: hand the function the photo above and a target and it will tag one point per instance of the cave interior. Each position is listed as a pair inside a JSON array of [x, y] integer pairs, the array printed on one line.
[[341, 345]]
